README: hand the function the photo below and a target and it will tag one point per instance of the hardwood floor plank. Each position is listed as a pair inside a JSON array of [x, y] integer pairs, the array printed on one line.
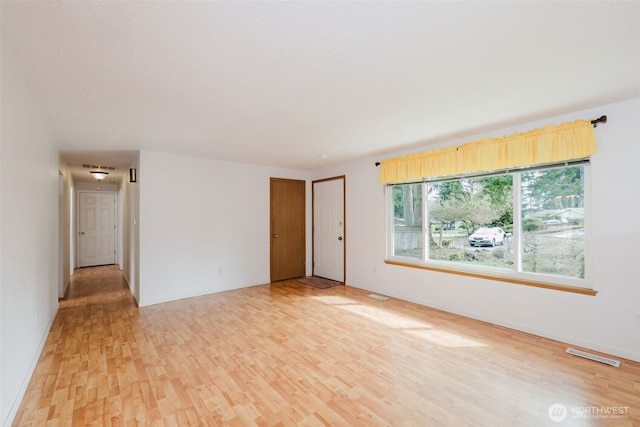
[[284, 354]]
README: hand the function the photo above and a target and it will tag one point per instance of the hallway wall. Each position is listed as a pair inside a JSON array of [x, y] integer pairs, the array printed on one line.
[[129, 199], [65, 244], [29, 234]]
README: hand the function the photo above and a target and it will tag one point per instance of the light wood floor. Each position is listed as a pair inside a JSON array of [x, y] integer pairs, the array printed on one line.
[[285, 354]]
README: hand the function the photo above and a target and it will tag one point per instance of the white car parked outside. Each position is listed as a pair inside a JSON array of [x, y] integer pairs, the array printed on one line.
[[487, 236]]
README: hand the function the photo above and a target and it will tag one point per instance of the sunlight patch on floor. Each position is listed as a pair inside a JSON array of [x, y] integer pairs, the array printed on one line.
[[379, 315], [413, 327], [444, 338], [333, 299]]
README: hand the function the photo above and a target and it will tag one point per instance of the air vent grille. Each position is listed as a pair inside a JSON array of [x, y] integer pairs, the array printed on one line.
[[594, 357], [108, 168], [378, 297]]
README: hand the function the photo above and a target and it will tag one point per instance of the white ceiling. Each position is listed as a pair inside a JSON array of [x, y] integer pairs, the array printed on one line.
[[281, 83]]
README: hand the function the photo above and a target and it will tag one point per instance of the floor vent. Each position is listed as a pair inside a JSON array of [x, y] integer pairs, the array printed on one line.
[[379, 297], [595, 357]]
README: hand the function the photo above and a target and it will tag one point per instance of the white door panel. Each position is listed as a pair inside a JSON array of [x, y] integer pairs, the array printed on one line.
[[328, 229], [96, 228]]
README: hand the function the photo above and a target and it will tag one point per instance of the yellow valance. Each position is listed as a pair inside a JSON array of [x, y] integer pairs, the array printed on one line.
[[549, 144]]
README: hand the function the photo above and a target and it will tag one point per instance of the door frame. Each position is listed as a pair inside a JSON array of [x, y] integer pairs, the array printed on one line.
[[344, 219], [77, 224]]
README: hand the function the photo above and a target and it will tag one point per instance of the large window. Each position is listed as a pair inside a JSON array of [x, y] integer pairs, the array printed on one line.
[[527, 224]]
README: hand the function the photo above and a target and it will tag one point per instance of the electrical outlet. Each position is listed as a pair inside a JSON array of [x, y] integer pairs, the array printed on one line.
[[219, 270]]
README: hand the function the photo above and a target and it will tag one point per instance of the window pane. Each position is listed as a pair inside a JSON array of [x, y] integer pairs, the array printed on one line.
[[470, 221], [553, 221], [408, 240]]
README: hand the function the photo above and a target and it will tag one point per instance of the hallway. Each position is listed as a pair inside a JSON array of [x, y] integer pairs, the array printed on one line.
[[75, 381]]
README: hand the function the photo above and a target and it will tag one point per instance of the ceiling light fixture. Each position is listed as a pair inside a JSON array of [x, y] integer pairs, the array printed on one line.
[[99, 175]]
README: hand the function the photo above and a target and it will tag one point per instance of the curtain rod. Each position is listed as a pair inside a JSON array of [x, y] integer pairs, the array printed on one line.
[[594, 122]]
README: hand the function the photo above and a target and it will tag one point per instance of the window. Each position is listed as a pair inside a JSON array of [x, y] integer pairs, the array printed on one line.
[[527, 224], [407, 221]]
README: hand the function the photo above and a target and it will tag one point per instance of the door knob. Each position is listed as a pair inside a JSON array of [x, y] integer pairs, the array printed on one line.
[[275, 236], [82, 233], [340, 238]]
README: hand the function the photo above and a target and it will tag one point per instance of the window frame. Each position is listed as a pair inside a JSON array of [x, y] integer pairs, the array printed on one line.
[[516, 275]]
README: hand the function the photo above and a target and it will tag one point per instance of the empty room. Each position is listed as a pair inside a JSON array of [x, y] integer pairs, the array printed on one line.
[[319, 213]]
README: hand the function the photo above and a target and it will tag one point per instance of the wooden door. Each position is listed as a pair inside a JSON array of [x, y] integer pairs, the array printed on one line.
[[96, 228], [329, 229], [287, 229]]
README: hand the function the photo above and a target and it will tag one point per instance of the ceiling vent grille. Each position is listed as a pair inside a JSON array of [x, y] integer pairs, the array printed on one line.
[[108, 168]]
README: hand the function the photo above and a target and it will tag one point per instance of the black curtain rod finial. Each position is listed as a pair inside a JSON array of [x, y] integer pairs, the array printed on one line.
[[601, 119]]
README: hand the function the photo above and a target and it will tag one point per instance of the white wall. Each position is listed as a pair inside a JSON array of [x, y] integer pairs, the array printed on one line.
[[29, 227], [129, 197], [64, 224], [606, 322], [96, 186], [204, 225]]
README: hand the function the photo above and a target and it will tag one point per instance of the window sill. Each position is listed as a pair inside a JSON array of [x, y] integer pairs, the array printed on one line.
[[555, 287]]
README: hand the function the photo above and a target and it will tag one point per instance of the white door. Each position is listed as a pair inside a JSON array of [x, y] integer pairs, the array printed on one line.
[[96, 228], [328, 229]]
